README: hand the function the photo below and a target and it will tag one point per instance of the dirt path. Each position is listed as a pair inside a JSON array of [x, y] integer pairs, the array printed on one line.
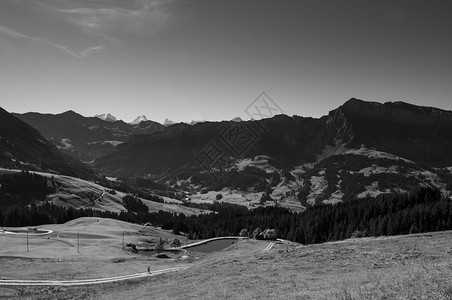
[[86, 281], [93, 201]]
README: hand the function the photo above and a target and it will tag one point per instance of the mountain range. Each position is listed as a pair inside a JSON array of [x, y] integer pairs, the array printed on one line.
[[416, 133], [86, 138], [360, 149]]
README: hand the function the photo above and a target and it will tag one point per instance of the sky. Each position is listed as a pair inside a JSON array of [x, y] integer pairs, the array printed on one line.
[[210, 59]]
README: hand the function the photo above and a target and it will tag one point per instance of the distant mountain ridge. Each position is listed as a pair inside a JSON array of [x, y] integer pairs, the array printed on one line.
[[23, 147], [85, 138]]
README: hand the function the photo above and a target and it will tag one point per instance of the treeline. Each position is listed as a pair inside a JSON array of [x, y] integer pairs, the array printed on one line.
[[47, 213], [24, 188], [143, 188], [424, 210]]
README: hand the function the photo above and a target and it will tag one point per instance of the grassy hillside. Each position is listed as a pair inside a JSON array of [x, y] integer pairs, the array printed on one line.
[[401, 267], [79, 193]]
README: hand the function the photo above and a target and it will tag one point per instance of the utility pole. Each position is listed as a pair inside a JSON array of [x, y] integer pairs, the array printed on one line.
[[78, 242], [27, 242], [123, 240]]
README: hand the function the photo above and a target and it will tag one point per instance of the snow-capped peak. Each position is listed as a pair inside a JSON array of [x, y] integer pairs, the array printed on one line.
[[106, 117], [193, 122], [168, 122], [139, 119]]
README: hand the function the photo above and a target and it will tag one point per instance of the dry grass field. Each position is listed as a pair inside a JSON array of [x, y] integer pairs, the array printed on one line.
[[84, 248], [411, 267], [402, 267]]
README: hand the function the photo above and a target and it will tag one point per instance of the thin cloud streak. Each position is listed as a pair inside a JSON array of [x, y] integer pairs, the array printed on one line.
[[141, 17], [107, 22], [81, 54]]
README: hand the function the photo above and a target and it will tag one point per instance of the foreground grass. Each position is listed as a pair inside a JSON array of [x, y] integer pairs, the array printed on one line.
[[404, 267], [417, 281]]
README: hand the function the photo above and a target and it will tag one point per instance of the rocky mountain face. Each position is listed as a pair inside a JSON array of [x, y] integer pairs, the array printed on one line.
[[85, 138], [421, 134], [23, 147], [360, 149]]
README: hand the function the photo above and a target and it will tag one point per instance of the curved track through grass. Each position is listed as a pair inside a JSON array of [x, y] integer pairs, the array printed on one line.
[[7, 282]]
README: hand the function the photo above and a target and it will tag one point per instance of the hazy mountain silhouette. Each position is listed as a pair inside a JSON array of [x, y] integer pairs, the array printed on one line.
[[85, 138]]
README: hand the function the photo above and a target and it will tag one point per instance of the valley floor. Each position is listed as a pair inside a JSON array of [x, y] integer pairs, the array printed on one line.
[[401, 267]]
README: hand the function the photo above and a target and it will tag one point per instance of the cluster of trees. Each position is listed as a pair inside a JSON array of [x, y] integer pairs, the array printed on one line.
[[24, 188], [343, 170], [249, 177], [134, 204], [424, 210], [48, 213], [353, 184], [241, 180]]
